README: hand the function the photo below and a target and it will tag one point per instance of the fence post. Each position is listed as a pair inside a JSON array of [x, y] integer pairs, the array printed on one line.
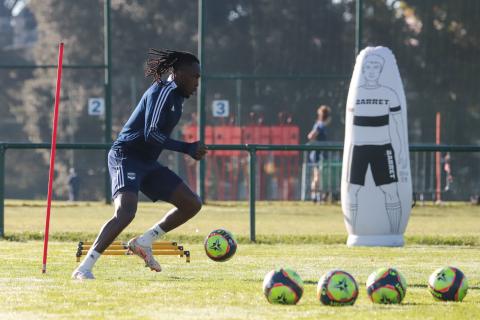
[[201, 96], [2, 188], [108, 89], [358, 26], [253, 159]]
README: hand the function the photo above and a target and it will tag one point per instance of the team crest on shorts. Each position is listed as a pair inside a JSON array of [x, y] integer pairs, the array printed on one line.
[[131, 175]]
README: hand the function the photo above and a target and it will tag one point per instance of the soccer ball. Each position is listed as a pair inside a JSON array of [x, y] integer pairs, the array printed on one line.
[[337, 288], [448, 284], [220, 245], [283, 286], [386, 286]]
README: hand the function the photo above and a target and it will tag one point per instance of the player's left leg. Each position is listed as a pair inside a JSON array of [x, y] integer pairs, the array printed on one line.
[[314, 187], [163, 184], [384, 171], [313, 161], [187, 205], [393, 206]]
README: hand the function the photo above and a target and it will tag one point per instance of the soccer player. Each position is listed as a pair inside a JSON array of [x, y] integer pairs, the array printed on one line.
[[372, 145], [132, 160], [315, 157]]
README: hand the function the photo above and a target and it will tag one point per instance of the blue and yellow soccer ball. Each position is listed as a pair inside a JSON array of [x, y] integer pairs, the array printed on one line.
[[386, 286], [448, 284], [283, 286], [220, 245], [337, 288]]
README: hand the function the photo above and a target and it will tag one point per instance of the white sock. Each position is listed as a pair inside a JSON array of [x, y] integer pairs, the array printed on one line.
[[394, 212], [151, 235], [90, 259], [353, 209]]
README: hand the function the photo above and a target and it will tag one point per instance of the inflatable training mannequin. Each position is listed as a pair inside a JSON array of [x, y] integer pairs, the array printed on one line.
[[376, 182]]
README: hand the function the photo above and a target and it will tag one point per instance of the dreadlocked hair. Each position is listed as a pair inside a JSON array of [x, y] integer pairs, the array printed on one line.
[[162, 61]]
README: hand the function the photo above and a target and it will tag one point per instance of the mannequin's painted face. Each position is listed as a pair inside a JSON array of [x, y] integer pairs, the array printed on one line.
[[371, 70]]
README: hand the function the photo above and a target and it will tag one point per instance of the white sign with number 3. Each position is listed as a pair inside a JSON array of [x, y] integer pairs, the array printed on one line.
[[221, 108]]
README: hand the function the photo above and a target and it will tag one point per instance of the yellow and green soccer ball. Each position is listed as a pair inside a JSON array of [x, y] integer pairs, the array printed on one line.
[[386, 286], [337, 288], [220, 245], [448, 284], [283, 286]]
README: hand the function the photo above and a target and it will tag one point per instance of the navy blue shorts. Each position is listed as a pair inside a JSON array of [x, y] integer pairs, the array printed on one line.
[[380, 158], [315, 155], [128, 173]]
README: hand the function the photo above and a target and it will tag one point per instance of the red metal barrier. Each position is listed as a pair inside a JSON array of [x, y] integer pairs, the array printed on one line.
[[223, 166], [257, 134], [286, 162], [190, 134], [227, 135], [226, 161]]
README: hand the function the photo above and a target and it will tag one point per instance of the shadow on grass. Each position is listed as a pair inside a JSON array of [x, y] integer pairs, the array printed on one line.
[[415, 304], [424, 286], [416, 285], [269, 239]]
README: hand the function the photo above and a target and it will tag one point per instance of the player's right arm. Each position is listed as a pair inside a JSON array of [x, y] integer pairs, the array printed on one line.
[[155, 120], [312, 135], [396, 112]]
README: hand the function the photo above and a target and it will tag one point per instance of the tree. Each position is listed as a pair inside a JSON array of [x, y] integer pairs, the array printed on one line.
[[435, 43], [79, 24]]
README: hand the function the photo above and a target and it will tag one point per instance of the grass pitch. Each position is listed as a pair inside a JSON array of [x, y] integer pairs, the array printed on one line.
[[204, 289]]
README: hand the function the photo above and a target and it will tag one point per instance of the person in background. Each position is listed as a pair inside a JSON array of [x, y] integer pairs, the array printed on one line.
[[73, 185], [448, 171], [315, 157]]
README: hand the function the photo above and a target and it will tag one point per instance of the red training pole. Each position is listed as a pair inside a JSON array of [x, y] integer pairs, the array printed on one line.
[[52, 155]]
